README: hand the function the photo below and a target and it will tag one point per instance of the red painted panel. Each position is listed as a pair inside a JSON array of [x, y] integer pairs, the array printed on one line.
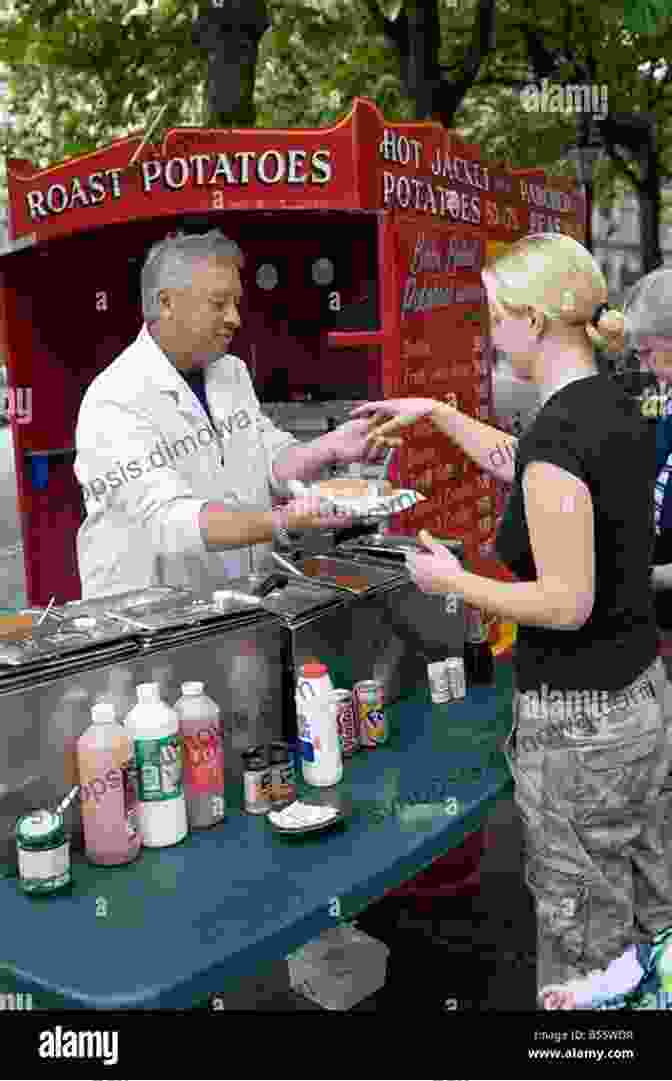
[[405, 212]]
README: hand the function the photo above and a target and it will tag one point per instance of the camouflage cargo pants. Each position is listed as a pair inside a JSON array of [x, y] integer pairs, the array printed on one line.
[[667, 792], [590, 791]]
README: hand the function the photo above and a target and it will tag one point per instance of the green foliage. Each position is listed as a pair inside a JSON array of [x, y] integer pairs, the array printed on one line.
[[644, 16], [84, 72]]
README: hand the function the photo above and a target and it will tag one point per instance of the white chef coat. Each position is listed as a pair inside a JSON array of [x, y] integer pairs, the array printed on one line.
[[147, 450]]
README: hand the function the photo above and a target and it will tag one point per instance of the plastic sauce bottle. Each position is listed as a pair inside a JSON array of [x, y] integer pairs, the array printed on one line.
[[162, 808], [108, 792], [322, 760], [203, 756]]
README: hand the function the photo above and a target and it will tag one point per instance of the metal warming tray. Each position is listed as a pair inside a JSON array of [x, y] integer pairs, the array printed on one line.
[[62, 644], [343, 629], [299, 599], [429, 623], [162, 611], [342, 573], [242, 653], [393, 549]]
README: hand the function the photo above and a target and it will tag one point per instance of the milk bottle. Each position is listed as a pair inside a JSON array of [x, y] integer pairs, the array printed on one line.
[[319, 742], [154, 728]]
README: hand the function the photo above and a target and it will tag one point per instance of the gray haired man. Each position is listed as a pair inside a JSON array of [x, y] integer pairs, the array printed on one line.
[[177, 463]]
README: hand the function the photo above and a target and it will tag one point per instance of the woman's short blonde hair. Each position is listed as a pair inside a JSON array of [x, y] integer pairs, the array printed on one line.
[[555, 275]]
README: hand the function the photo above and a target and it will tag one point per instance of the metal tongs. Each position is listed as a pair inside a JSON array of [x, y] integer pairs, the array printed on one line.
[[287, 566], [272, 582]]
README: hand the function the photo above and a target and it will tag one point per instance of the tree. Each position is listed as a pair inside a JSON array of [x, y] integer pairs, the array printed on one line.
[[83, 72], [628, 67], [417, 34], [230, 32]]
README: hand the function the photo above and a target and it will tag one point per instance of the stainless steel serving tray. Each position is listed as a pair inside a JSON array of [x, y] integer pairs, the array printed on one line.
[[393, 549], [300, 599], [57, 638], [25, 669], [160, 611], [132, 601], [334, 570]]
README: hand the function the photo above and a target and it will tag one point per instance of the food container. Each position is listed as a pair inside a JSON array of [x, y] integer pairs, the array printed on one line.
[[422, 627], [43, 853], [52, 680], [343, 627]]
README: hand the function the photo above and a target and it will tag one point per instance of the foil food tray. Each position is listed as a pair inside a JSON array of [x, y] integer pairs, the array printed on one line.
[[349, 575], [155, 611], [299, 599], [59, 637], [394, 549]]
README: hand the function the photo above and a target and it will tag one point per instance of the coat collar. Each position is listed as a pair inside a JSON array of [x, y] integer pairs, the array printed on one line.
[[169, 381]]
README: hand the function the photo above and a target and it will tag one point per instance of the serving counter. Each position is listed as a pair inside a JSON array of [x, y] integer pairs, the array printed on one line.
[[183, 923]]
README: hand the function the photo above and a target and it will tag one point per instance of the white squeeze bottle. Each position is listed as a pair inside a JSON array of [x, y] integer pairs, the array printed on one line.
[[322, 759], [108, 793], [203, 750], [162, 809]]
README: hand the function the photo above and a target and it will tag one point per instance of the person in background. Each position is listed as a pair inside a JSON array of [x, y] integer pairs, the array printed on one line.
[[589, 749], [648, 324], [177, 462]]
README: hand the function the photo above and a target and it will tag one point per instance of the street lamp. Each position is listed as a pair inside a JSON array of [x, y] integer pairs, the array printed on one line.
[[585, 155]]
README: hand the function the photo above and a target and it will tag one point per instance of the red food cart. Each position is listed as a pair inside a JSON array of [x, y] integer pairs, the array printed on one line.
[[364, 244]]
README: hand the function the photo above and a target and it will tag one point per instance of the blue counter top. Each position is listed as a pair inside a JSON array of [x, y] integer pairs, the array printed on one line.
[[181, 923]]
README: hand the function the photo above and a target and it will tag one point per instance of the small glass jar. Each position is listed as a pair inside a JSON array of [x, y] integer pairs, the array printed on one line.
[[284, 775], [257, 781], [43, 852]]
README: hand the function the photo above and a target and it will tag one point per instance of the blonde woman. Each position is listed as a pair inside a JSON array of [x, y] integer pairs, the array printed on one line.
[[577, 533]]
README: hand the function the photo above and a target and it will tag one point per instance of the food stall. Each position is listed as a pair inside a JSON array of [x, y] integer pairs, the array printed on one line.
[[364, 244]]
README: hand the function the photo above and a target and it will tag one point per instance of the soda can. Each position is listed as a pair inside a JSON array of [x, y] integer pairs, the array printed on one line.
[[447, 681], [370, 705], [348, 729]]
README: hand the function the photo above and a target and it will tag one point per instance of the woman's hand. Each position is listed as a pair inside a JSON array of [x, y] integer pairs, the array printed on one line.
[[437, 571], [391, 416]]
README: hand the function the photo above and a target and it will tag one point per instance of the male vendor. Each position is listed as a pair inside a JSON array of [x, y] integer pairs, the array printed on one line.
[[177, 463]]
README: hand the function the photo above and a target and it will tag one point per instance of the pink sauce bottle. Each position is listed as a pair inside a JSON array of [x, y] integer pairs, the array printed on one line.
[[108, 793]]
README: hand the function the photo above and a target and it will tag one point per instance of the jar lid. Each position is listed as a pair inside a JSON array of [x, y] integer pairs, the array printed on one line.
[[41, 829], [103, 713], [279, 752], [314, 670], [192, 688], [148, 692]]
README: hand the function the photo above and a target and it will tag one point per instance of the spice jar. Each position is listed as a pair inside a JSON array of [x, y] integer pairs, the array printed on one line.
[[284, 778], [257, 781], [43, 851]]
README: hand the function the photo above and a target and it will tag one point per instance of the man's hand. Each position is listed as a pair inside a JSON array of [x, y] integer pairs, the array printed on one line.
[[350, 443], [313, 512]]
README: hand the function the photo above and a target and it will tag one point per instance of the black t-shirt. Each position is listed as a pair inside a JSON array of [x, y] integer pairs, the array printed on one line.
[[591, 429], [196, 380]]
